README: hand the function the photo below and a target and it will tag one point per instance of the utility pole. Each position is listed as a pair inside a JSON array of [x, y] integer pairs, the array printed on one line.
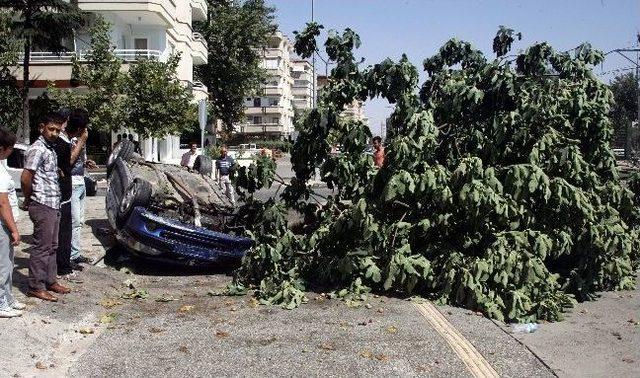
[[313, 59]]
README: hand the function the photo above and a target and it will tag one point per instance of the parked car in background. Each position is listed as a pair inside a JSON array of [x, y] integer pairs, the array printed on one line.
[[15, 165], [171, 213]]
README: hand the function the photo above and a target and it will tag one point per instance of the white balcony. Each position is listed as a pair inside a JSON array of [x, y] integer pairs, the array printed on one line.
[[260, 128], [127, 55], [199, 50], [200, 91], [199, 10], [272, 91], [271, 52], [149, 12], [258, 110]]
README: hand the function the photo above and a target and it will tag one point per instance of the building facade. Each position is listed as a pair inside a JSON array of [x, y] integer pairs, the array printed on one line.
[[289, 87], [303, 84], [270, 112], [153, 29]]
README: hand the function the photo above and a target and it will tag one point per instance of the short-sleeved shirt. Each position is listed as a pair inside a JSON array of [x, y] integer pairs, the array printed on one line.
[[7, 185], [63, 151], [77, 169], [224, 165], [41, 158]]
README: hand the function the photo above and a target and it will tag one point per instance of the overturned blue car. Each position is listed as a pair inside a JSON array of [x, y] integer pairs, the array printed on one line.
[[171, 213]]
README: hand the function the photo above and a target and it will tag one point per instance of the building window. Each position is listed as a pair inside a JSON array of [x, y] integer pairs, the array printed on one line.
[[274, 101], [257, 120], [275, 120], [257, 102]]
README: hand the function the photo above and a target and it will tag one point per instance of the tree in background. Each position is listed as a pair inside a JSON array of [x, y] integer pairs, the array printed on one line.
[[10, 103], [625, 109], [157, 103], [43, 24], [235, 32], [101, 76], [148, 99]]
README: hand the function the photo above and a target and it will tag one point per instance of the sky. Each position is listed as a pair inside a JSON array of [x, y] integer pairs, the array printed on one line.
[[418, 28]]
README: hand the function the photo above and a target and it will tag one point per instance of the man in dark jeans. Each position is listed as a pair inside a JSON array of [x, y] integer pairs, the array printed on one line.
[[65, 154], [42, 198]]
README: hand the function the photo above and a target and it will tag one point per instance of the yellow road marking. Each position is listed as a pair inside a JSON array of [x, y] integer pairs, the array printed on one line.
[[477, 365]]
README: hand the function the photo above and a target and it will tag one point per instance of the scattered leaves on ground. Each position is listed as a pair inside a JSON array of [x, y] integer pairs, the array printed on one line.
[[41, 366], [109, 302], [86, 331], [392, 329], [327, 346], [108, 318], [186, 308], [221, 334]]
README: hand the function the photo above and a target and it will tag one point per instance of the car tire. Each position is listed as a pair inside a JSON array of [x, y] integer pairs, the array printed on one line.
[[138, 193], [124, 151], [124, 173], [203, 165]]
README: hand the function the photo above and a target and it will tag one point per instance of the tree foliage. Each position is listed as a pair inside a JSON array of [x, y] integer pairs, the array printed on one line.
[[10, 103], [42, 24], [625, 94], [147, 98], [157, 102], [235, 32], [102, 81], [499, 192]]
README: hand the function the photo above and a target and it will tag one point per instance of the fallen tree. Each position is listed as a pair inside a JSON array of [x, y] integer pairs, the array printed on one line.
[[499, 192]]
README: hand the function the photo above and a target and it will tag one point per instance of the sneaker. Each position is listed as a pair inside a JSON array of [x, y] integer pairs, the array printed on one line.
[[71, 277], [18, 305], [82, 260], [10, 313]]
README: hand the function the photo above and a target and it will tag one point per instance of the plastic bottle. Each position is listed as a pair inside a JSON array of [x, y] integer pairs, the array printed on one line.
[[525, 328]]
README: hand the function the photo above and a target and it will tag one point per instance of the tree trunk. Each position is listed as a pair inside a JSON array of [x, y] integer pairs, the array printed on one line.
[[23, 134]]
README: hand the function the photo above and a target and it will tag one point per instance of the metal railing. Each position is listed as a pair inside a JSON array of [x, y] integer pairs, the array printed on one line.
[[128, 55], [199, 86], [199, 38]]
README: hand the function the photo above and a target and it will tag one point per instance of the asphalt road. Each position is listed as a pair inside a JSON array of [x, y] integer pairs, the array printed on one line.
[[176, 328]]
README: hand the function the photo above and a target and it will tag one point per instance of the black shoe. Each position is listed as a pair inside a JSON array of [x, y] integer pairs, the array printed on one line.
[[82, 260], [76, 266]]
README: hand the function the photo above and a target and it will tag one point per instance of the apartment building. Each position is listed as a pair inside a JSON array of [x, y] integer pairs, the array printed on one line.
[[354, 111], [139, 29], [269, 112], [303, 84]]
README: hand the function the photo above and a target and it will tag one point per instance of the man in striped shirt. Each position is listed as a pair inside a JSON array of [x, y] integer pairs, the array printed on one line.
[[40, 186]]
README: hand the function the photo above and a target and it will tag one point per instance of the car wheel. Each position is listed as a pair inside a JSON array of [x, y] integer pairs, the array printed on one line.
[[203, 165], [137, 194], [124, 150], [124, 173]]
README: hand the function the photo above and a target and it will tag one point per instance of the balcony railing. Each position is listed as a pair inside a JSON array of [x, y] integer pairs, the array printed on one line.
[[271, 52], [128, 55], [198, 86], [199, 38]]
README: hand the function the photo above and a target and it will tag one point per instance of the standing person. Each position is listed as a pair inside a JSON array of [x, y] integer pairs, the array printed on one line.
[[223, 169], [378, 152], [62, 147], [189, 157], [9, 235], [42, 198], [78, 130]]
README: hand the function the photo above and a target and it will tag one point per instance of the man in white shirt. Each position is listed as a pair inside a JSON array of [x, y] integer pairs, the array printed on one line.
[[189, 157], [9, 235]]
